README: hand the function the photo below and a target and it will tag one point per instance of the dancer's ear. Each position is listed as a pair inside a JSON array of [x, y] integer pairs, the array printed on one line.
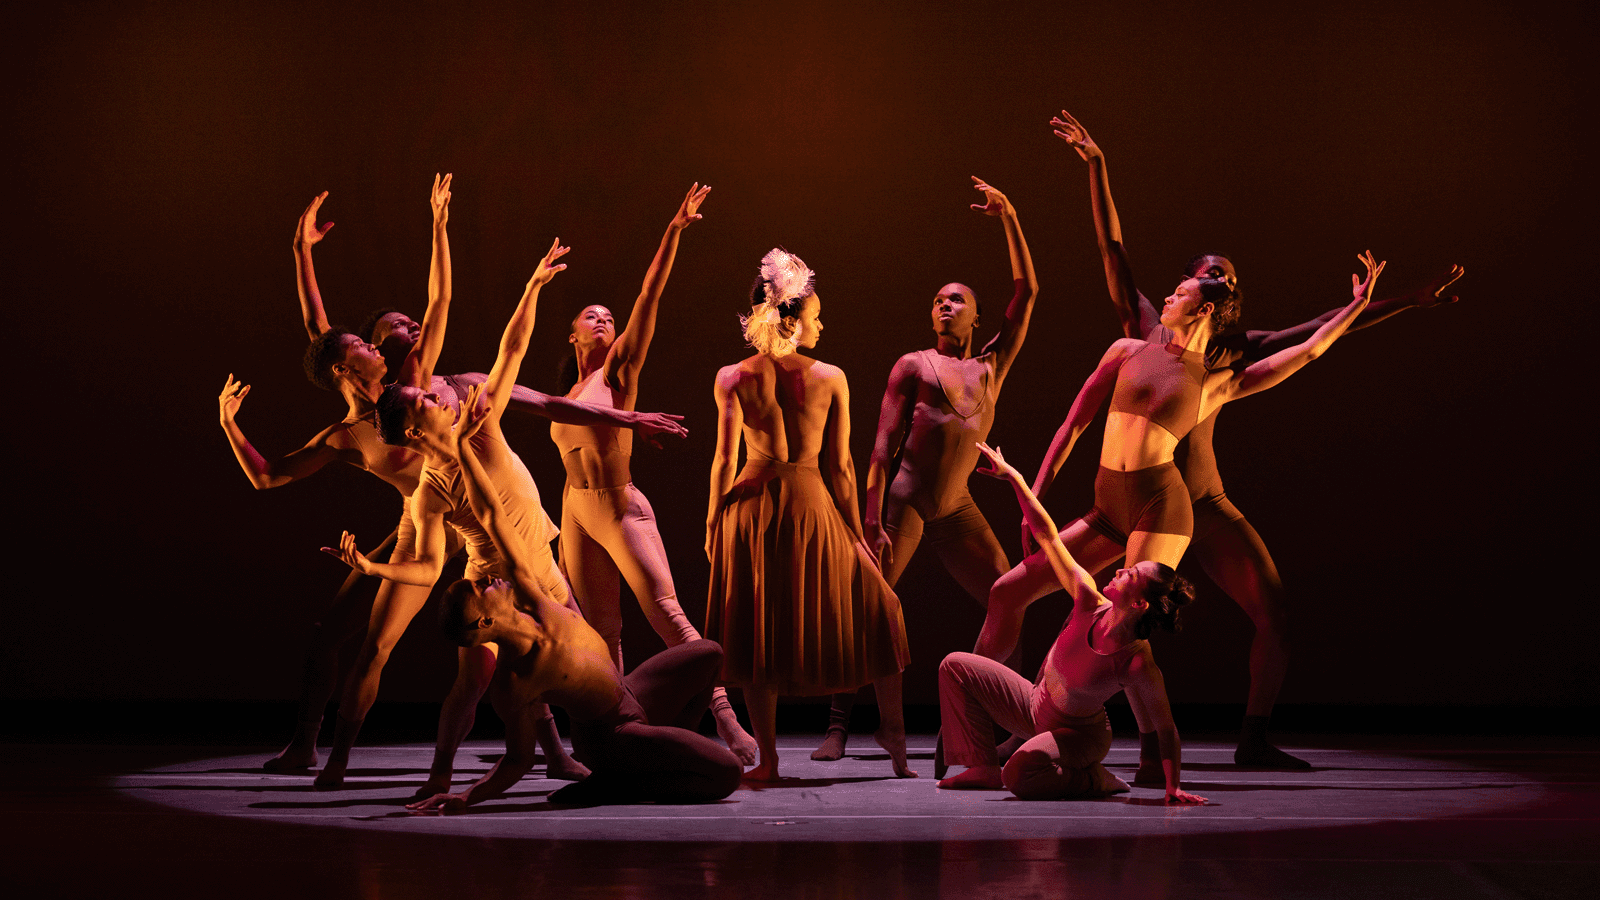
[[483, 623]]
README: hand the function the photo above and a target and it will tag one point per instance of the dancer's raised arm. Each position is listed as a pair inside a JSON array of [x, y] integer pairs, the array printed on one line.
[[1014, 328], [634, 342], [1079, 584], [1257, 344], [308, 234], [262, 472], [497, 388], [424, 353], [1138, 315], [1223, 385]]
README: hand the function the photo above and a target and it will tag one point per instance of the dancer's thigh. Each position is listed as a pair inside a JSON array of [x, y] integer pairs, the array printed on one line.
[[1162, 548], [1232, 554]]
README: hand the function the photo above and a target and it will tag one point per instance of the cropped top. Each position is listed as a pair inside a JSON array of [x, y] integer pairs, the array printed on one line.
[[604, 439], [1162, 384]]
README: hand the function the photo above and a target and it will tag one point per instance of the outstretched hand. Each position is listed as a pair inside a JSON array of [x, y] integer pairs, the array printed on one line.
[[655, 426], [1077, 137], [347, 553], [1362, 290], [1432, 294], [998, 467], [689, 209], [440, 199], [307, 232], [233, 394], [471, 416], [994, 203], [548, 267], [439, 804]]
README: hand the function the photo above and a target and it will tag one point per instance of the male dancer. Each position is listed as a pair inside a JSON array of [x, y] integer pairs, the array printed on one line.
[[635, 733], [938, 407]]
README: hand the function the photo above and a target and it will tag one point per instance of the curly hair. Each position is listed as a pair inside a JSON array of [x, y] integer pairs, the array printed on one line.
[[1219, 286], [1168, 593], [326, 351]]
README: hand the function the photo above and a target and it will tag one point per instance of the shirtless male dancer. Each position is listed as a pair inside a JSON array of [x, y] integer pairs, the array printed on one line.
[[637, 734], [1224, 543], [412, 416], [938, 407], [340, 361]]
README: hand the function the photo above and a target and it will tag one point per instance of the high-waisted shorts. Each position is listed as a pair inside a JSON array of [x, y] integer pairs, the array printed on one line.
[[1153, 500]]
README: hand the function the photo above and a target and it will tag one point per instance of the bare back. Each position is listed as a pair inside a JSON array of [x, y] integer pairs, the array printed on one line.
[[784, 404]]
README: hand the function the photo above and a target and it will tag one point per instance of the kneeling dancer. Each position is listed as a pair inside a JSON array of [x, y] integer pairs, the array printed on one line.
[[1101, 650], [633, 733]]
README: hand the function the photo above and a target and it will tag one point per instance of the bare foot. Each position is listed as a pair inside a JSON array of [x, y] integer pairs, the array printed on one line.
[[436, 784], [975, 778], [895, 743], [737, 739], [1103, 783], [766, 773], [565, 768], [832, 745], [293, 760]]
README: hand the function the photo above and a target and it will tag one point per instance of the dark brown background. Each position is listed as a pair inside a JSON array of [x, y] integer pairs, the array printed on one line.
[[1424, 488]]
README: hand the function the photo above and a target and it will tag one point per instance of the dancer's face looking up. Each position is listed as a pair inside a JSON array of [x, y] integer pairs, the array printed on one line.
[[1185, 304], [397, 326], [361, 359], [426, 413], [1127, 588], [955, 310], [594, 326]]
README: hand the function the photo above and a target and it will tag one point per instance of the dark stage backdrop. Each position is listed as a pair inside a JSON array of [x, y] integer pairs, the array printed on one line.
[[1423, 488]]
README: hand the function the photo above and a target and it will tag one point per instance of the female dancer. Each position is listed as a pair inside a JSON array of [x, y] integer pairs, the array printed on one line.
[[1100, 651], [1158, 393], [1225, 545], [347, 363], [796, 600], [607, 525]]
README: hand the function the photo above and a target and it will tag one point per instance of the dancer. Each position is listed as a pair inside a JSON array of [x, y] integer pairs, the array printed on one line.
[[1157, 393], [421, 421], [608, 528], [1101, 650], [340, 361], [636, 734], [796, 601], [939, 404], [1225, 545]]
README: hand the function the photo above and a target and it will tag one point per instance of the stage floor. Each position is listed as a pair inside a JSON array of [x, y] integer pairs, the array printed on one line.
[[1376, 816]]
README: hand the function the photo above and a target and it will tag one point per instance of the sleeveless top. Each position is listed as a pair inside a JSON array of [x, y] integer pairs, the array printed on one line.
[[1076, 675], [602, 438], [1161, 385], [518, 496]]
